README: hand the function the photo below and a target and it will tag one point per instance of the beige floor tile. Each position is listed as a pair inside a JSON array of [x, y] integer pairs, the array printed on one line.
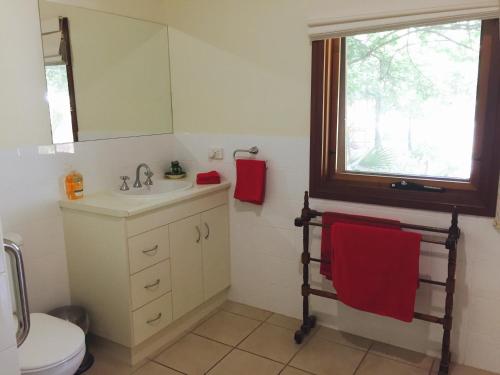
[[105, 364], [293, 371], [245, 310], [193, 354], [375, 365], [227, 328], [460, 370], [243, 363], [344, 338], [402, 355], [272, 342], [324, 357], [152, 368], [284, 321]]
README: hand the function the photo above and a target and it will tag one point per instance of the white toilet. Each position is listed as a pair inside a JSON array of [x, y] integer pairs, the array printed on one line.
[[53, 347]]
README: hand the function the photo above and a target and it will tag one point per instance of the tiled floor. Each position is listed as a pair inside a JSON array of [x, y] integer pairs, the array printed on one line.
[[243, 340]]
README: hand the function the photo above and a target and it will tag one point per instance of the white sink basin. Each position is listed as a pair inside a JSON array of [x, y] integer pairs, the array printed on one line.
[[160, 188]]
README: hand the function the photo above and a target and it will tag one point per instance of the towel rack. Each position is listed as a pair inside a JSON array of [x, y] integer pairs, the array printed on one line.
[[450, 242], [252, 150]]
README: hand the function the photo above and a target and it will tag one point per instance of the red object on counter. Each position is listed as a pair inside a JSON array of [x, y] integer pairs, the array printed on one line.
[[208, 178]]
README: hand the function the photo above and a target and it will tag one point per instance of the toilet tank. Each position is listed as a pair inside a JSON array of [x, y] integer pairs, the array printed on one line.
[[8, 346]]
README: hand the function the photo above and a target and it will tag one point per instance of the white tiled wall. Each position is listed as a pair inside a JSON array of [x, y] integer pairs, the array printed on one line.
[[264, 242], [32, 185]]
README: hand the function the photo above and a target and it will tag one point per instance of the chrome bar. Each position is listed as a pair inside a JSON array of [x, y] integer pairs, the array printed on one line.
[[24, 328], [252, 150]]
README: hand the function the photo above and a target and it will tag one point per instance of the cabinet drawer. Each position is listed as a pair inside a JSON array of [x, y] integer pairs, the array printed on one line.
[[150, 283], [152, 318], [148, 248]]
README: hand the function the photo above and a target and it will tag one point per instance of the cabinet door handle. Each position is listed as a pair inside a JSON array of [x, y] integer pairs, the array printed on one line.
[[152, 251], [199, 234], [155, 284], [208, 231], [150, 321]]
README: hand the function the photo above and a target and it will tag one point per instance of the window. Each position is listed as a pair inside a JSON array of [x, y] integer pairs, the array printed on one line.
[[59, 103], [419, 105]]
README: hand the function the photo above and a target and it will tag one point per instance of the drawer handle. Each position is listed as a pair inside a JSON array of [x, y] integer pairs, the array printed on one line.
[[150, 321], [152, 251], [199, 234], [208, 231], [153, 285]]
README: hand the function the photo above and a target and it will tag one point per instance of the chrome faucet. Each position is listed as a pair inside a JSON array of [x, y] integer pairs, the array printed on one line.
[[148, 174]]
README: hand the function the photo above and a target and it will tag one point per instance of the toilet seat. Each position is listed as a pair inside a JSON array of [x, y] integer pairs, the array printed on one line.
[[51, 342]]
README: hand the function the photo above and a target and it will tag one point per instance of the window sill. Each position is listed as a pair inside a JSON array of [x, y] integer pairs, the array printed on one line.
[[473, 202]]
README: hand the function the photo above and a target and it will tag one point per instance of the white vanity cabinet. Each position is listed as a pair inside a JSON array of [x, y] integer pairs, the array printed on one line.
[[200, 258], [137, 269]]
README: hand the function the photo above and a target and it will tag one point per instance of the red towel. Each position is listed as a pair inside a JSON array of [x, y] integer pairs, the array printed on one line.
[[330, 218], [212, 177], [375, 269], [250, 180]]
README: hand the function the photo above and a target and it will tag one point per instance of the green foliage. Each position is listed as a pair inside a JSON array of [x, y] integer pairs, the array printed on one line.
[[401, 77], [57, 77], [382, 65], [377, 159]]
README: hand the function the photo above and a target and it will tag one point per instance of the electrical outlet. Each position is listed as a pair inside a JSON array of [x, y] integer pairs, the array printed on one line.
[[216, 153]]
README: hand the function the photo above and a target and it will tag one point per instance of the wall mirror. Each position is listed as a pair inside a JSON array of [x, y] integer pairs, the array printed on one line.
[[108, 76]]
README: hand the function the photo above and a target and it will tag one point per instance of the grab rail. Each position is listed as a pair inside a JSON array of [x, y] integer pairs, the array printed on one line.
[[24, 328]]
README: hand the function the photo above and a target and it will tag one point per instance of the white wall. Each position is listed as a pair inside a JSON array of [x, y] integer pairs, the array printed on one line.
[[240, 67], [149, 10], [24, 114], [241, 77]]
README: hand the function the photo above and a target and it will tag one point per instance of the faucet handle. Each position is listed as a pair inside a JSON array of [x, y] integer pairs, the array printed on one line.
[[148, 174], [124, 186]]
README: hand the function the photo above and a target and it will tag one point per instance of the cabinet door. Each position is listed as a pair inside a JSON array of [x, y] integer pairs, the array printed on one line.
[[216, 261], [186, 260]]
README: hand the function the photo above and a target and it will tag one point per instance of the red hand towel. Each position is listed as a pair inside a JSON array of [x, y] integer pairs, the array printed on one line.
[[375, 269], [212, 177], [330, 218], [250, 180]]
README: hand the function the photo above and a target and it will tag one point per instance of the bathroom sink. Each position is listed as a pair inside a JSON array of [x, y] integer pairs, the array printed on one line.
[[160, 188]]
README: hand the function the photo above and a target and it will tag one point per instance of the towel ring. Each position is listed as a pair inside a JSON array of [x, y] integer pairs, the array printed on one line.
[[252, 150]]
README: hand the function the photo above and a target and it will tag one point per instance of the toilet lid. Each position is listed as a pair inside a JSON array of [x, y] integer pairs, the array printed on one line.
[[50, 342]]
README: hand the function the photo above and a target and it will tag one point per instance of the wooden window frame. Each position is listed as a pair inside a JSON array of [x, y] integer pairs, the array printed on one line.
[[477, 196], [68, 61]]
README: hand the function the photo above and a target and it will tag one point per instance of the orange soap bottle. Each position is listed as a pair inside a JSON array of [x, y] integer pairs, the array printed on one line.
[[74, 185]]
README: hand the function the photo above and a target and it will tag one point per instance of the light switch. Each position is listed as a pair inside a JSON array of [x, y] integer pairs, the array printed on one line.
[[216, 153]]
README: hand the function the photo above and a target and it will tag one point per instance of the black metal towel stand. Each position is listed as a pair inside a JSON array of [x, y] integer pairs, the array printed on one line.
[[450, 242]]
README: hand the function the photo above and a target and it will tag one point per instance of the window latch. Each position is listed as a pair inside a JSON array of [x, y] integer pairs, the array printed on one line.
[[405, 185]]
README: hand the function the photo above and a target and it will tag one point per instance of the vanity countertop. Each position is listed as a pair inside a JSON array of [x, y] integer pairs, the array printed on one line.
[[107, 203]]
